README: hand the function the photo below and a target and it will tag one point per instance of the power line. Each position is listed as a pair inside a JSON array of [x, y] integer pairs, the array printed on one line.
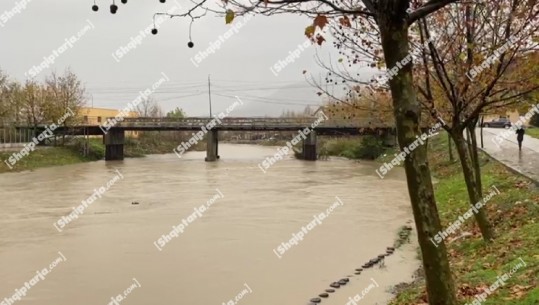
[[280, 99], [267, 102], [264, 88], [262, 82]]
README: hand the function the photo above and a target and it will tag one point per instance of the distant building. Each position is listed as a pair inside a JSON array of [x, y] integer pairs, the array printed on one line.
[[513, 116], [98, 116]]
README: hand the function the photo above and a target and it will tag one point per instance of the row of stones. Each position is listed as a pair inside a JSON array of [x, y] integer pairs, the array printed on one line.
[[403, 236]]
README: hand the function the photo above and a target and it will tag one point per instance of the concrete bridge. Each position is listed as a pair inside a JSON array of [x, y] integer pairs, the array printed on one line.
[[113, 130]]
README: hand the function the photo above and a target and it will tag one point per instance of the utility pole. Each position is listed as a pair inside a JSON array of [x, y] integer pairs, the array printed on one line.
[[209, 92]]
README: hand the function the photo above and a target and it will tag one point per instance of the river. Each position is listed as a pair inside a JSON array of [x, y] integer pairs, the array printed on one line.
[[228, 251]]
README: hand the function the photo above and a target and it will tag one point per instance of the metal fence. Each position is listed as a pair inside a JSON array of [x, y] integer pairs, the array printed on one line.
[[11, 135]]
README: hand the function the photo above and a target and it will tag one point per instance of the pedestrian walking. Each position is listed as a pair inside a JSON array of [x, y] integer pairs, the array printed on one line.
[[520, 136]]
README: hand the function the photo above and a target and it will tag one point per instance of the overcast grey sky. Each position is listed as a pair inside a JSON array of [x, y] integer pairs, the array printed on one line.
[[240, 67]]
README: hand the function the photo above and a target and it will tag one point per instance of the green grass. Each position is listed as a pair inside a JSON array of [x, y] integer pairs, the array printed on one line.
[[72, 152], [514, 215], [365, 147], [49, 156], [533, 132]]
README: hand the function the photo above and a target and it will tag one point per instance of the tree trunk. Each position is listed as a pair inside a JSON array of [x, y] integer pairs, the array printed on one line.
[[475, 157], [64, 134], [394, 34], [471, 185], [450, 148]]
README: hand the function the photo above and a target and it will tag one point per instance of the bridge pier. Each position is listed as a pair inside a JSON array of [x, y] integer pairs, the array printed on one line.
[[309, 147], [212, 147], [114, 141]]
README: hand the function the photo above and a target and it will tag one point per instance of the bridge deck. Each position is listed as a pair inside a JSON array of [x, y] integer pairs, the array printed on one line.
[[321, 126], [233, 123]]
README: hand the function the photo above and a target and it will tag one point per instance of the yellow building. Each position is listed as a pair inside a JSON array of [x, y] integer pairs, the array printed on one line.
[[98, 116]]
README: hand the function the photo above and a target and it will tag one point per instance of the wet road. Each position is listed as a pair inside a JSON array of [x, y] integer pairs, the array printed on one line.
[[502, 145]]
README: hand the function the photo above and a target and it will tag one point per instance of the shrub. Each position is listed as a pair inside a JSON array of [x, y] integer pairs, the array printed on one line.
[[96, 150], [371, 148], [534, 121], [337, 147]]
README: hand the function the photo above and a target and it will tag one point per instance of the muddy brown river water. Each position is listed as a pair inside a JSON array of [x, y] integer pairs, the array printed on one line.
[[226, 254]]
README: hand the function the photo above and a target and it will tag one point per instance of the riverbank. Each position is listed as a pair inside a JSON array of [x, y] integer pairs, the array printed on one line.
[[43, 157], [363, 147], [475, 265], [354, 148], [72, 152]]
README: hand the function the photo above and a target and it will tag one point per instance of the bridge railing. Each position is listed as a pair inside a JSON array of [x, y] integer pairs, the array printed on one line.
[[239, 122], [248, 122]]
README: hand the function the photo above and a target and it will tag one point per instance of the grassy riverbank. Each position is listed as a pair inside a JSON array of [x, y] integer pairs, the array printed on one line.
[[72, 152], [43, 157], [514, 214], [365, 147]]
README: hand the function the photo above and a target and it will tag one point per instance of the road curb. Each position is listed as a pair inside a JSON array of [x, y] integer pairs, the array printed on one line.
[[511, 168]]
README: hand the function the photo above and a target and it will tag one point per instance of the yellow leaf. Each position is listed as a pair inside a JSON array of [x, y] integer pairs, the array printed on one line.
[[229, 16], [309, 31]]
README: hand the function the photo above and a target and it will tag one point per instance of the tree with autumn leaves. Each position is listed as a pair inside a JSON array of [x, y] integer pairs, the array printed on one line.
[[478, 63], [391, 22], [373, 111], [477, 59], [33, 103], [469, 58]]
